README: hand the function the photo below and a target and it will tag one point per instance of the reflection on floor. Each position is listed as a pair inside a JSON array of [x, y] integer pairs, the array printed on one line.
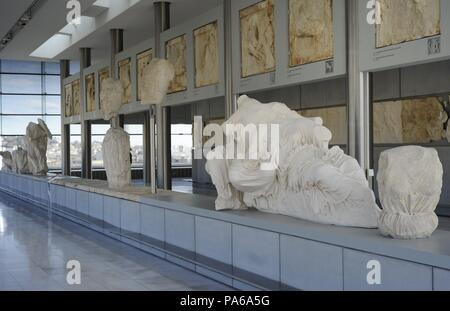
[[35, 249]]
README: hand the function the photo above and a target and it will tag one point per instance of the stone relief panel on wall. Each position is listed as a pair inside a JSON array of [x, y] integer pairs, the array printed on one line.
[[176, 54], [206, 55], [90, 93], [68, 100], [257, 39], [334, 118], [406, 20], [76, 93], [409, 121], [125, 78], [102, 76], [143, 60], [310, 31]]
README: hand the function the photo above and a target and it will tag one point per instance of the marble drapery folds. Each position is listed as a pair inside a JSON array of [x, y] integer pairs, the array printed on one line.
[[410, 185], [311, 182]]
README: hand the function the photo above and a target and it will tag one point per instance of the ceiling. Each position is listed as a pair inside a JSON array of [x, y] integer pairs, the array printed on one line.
[[136, 19]]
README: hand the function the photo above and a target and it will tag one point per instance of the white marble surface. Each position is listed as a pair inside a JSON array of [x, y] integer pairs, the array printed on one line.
[[310, 182], [111, 98], [157, 77], [410, 185], [116, 157]]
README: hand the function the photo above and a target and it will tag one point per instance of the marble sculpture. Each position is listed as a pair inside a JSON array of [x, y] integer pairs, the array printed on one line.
[[156, 81], [125, 78], [20, 161], [35, 143], [311, 182], [116, 158], [410, 185], [116, 144], [7, 161], [111, 97]]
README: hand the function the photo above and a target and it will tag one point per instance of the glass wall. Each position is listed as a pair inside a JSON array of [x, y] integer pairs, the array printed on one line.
[[181, 138], [30, 91]]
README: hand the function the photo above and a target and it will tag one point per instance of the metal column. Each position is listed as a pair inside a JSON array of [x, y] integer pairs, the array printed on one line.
[[358, 95], [230, 97], [116, 36], [162, 114], [86, 140], [65, 129]]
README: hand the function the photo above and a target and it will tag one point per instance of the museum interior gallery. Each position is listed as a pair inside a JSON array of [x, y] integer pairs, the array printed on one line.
[[225, 145]]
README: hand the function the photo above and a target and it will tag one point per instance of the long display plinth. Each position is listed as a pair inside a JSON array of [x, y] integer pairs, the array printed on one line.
[[244, 249]]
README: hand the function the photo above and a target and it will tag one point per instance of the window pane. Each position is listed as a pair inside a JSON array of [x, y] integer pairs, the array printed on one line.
[[182, 129], [9, 143], [21, 84], [53, 104], [181, 150], [21, 104], [134, 129], [16, 125], [54, 124], [54, 153], [75, 129], [137, 150], [52, 85], [15, 66], [74, 67], [100, 129], [75, 152], [96, 151], [52, 68]]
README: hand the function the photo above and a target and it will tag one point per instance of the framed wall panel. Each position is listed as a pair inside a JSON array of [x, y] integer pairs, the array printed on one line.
[[72, 98], [138, 56], [91, 104], [410, 33], [205, 68], [175, 52], [309, 42], [125, 78], [103, 74], [143, 59]]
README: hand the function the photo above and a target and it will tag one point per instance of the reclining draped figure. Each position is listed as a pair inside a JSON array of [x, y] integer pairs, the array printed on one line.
[[310, 182]]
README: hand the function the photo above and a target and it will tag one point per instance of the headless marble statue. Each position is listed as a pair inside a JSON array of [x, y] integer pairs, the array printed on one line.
[[311, 181], [36, 141]]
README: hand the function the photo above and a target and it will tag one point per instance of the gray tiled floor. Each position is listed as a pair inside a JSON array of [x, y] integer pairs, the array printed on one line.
[[34, 251]]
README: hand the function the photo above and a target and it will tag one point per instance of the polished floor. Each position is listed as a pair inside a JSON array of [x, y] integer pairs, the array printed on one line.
[[35, 249]]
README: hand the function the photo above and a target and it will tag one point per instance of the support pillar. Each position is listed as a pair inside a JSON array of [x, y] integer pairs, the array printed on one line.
[[230, 96], [359, 114], [86, 139], [65, 129], [116, 36], [162, 114]]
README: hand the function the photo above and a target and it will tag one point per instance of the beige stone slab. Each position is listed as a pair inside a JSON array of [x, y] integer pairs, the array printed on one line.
[[407, 20], [125, 78], [206, 55], [102, 76], [176, 54], [257, 39], [76, 93], [68, 100], [311, 36], [143, 60], [335, 119], [90, 93], [409, 121]]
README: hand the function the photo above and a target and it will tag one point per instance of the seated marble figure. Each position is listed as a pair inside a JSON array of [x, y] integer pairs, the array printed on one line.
[[311, 181]]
